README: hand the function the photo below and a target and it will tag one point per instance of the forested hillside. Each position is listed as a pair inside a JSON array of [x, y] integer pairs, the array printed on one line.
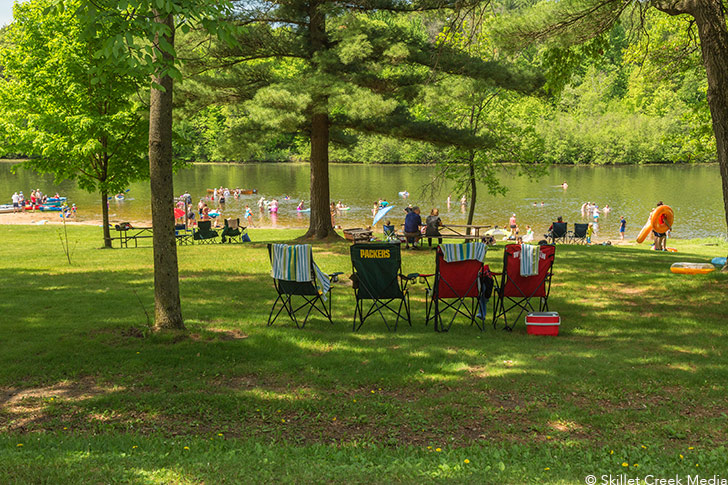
[[636, 95]]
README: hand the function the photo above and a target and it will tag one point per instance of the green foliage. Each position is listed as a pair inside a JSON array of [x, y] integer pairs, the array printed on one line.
[[78, 117]]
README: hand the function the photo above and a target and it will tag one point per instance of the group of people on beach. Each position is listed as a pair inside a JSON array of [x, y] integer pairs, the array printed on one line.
[[36, 198]]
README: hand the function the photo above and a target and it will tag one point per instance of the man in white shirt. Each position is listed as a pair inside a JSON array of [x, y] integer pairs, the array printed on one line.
[[16, 202]]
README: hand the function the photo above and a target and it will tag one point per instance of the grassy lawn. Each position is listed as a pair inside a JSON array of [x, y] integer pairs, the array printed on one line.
[[636, 382]]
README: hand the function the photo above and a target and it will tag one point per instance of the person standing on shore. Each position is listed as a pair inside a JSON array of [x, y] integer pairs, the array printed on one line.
[[514, 226], [249, 216], [659, 237], [622, 227], [16, 202]]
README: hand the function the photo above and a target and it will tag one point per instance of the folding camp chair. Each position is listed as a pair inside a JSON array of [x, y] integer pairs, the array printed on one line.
[[204, 234], [233, 231], [311, 297], [579, 234], [390, 234], [516, 291], [182, 235], [456, 282], [378, 279], [558, 232]]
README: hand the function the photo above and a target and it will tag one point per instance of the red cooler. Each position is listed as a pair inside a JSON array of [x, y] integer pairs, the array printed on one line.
[[543, 323]]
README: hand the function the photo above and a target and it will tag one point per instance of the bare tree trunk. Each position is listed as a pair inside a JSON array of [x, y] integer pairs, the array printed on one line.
[[714, 45], [167, 309], [473, 189], [105, 217], [709, 18], [320, 221]]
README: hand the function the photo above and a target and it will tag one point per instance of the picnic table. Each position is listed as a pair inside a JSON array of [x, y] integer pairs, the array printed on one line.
[[460, 231], [128, 233]]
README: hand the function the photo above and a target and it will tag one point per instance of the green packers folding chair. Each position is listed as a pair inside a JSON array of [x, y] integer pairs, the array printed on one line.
[[379, 283], [296, 275]]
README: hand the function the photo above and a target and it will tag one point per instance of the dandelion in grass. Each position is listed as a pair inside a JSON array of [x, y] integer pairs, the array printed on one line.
[[644, 447], [696, 465], [691, 447], [283, 420], [438, 450], [186, 447], [548, 437], [219, 434], [624, 463], [65, 427], [334, 419], [546, 469], [635, 465], [611, 452], [20, 444], [134, 447], [466, 461], [372, 391], [354, 400], [681, 457], [429, 447]]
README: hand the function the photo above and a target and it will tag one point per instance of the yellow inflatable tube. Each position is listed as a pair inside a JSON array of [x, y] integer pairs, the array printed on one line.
[[692, 268], [660, 220]]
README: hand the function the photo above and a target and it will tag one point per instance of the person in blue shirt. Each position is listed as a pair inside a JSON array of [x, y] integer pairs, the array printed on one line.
[[412, 223], [622, 226]]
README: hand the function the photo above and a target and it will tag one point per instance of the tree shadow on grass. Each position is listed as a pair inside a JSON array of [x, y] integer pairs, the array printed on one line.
[[628, 332]]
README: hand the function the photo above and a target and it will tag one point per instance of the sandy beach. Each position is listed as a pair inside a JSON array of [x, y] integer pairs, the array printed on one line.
[[53, 218]]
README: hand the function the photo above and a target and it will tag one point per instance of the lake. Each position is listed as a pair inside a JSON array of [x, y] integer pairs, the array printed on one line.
[[693, 191]]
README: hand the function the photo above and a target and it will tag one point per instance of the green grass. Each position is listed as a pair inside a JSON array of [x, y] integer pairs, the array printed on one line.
[[640, 370]]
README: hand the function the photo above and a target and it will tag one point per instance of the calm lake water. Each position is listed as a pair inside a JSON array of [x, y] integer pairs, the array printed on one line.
[[694, 193]]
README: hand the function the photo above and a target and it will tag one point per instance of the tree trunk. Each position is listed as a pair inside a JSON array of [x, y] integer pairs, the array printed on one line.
[[708, 15], [167, 309], [714, 45], [320, 218], [105, 217], [473, 190]]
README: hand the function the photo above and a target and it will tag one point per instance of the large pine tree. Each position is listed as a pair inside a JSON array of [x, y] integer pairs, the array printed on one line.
[[327, 68]]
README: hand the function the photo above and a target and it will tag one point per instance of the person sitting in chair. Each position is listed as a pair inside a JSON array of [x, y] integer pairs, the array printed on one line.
[[412, 223], [433, 222]]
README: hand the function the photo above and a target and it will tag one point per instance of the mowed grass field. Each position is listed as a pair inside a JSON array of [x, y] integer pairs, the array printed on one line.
[[635, 384]]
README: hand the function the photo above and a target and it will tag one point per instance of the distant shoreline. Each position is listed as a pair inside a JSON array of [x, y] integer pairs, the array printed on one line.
[[421, 164]]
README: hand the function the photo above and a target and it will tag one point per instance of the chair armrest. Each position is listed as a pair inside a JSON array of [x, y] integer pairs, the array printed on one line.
[[409, 277], [334, 276]]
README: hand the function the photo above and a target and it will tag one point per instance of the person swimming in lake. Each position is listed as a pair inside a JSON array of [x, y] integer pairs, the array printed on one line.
[[564, 185]]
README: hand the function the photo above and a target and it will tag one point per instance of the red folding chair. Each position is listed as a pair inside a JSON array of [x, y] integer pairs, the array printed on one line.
[[516, 291], [454, 284]]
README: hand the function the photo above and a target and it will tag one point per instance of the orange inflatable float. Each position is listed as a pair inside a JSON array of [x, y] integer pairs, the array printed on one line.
[[692, 268], [660, 220]]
